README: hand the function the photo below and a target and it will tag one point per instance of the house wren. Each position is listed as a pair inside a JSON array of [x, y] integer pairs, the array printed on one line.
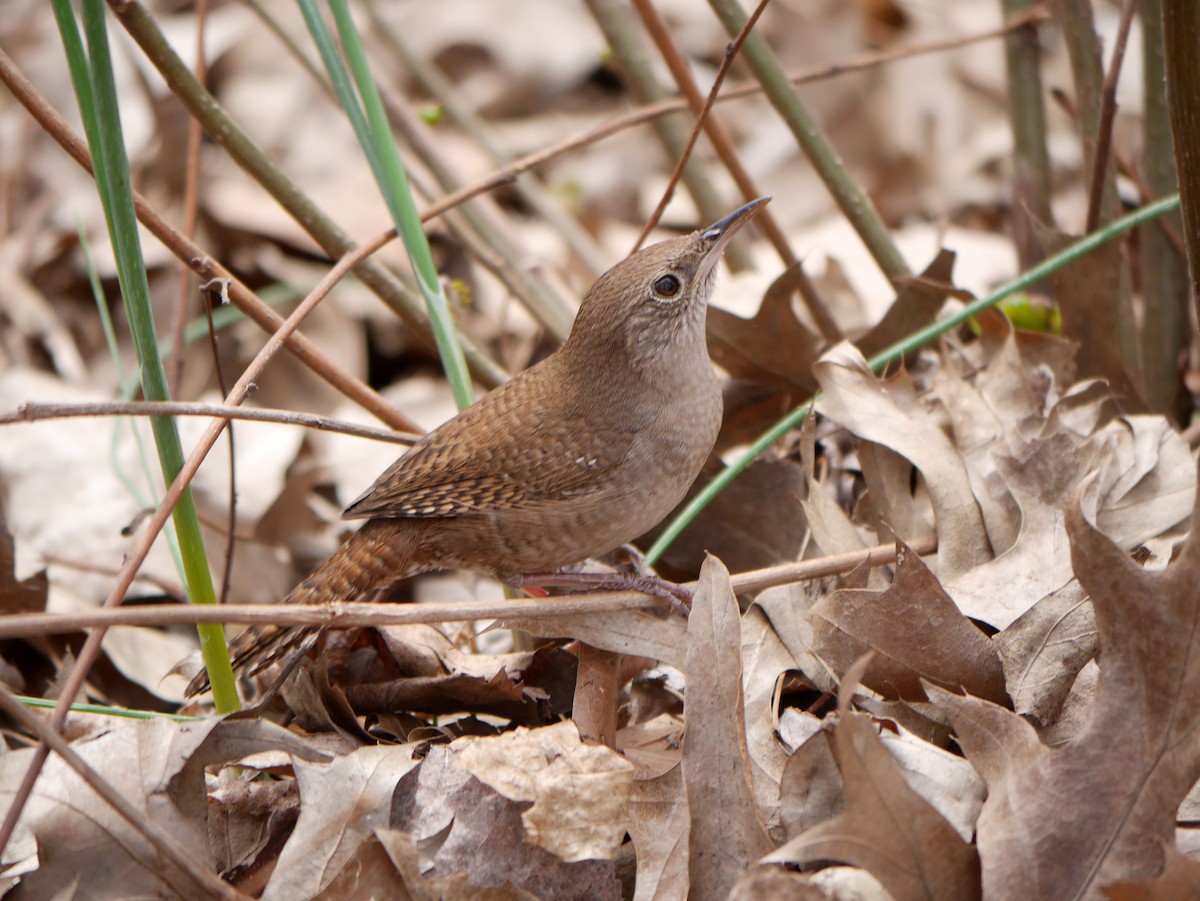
[[578, 454]]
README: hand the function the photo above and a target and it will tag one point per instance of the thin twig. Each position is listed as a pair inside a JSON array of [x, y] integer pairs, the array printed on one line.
[[651, 111], [720, 138], [191, 206], [220, 289], [1127, 167], [1108, 112], [628, 55], [849, 196], [168, 848], [35, 412], [345, 615], [702, 119]]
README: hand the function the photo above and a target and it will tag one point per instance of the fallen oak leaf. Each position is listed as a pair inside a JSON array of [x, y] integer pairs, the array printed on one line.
[[888, 412], [887, 828], [1126, 771], [916, 631], [1179, 879], [726, 832]]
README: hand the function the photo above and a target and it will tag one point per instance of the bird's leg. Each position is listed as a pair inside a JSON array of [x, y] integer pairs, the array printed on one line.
[[677, 596], [636, 559]]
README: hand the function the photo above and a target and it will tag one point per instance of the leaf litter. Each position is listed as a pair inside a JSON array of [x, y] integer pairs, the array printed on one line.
[[1023, 727]]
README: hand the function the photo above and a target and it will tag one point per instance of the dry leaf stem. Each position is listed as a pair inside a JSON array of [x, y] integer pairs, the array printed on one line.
[[1163, 269], [1181, 19], [1108, 113], [35, 412], [1027, 119]]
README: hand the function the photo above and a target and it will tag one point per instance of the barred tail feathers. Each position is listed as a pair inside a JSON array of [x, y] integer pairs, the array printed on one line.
[[381, 552]]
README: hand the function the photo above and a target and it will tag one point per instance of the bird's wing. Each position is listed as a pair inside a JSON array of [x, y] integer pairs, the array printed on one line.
[[502, 453]]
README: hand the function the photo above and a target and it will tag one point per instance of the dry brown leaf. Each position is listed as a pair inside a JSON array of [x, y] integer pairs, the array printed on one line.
[[159, 767], [916, 632], [367, 872], [406, 859], [1041, 476], [811, 788], [727, 834], [765, 660], [1007, 381], [579, 792], [658, 826], [503, 694], [787, 607], [832, 530], [1154, 480], [248, 822], [1044, 650], [889, 413], [461, 825], [887, 828], [893, 509], [774, 347], [1180, 879], [1126, 770], [915, 306], [1088, 292], [945, 780], [638, 633], [341, 806]]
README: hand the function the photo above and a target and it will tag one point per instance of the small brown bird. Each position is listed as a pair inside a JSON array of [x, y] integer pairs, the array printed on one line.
[[578, 454]]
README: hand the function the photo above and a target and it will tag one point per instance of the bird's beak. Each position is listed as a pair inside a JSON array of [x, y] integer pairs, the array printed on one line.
[[721, 232]]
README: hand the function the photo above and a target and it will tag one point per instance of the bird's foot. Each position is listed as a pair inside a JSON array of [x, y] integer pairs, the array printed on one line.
[[677, 596]]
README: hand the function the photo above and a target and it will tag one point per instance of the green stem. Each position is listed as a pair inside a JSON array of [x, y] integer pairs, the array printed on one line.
[[91, 73], [370, 124]]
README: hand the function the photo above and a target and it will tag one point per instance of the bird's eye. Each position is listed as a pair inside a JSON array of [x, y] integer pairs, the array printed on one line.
[[666, 285]]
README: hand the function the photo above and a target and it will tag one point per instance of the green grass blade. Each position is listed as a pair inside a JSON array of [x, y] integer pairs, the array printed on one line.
[[367, 116], [96, 88]]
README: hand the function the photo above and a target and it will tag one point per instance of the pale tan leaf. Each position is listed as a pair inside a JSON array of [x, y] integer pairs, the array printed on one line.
[[1044, 650], [658, 825], [1126, 769], [888, 413], [727, 834], [461, 826], [341, 806], [887, 828], [1179, 879], [638, 633], [552, 768], [765, 660], [1041, 475]]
